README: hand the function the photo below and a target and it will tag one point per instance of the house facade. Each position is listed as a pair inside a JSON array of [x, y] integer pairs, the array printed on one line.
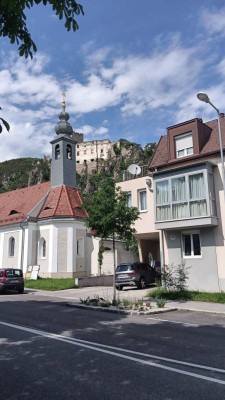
[[140, 192], [189, 205]]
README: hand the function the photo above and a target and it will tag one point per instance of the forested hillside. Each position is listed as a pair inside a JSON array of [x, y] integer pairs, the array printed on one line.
[[22, 172]]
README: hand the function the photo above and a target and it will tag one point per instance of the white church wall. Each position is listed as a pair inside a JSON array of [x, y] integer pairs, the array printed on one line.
[[1, 248], [80, 250], [62, 250], [7, 260], [43, 262]]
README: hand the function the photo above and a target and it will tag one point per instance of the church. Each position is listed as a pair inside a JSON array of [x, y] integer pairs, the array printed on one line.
[[44, 224]]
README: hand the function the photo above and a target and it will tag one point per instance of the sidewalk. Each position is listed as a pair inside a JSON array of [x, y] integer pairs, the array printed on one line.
[[74, 295]]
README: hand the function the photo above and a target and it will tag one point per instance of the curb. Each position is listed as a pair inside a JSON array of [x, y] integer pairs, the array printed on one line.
[[120, 311]]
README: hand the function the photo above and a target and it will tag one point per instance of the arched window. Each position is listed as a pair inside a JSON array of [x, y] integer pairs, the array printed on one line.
[[69, 152], [42, 248], [11, 247], [57, 152]]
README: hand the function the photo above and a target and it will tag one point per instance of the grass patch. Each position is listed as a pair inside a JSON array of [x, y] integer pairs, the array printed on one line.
[[161, 293], [50, 284]]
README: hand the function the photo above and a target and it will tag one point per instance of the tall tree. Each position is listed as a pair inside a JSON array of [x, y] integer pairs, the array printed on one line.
[[13, 20], [109, 213]]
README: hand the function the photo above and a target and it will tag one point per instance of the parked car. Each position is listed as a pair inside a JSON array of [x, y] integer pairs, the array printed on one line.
[[135, 274], [11, 279]]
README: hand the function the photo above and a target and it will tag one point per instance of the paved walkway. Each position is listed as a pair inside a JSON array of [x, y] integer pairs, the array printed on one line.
[[74, 296]]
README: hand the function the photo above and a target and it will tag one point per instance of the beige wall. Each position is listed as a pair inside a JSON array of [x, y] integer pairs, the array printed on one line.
[[145, 223]]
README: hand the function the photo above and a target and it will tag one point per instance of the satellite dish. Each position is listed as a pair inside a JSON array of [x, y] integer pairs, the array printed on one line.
[[134, 169]]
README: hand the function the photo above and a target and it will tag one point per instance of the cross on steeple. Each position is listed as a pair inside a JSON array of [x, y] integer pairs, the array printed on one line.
[[63, 100]]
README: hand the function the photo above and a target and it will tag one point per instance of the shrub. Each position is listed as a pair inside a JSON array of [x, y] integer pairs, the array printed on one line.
[[175, 277]]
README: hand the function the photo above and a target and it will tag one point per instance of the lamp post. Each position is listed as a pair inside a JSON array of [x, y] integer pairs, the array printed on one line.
[[204, 97]]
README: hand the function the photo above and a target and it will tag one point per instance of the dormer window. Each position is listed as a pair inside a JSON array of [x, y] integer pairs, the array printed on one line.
[[184, 145]]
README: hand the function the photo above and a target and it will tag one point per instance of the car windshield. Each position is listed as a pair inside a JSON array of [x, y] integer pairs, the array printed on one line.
[[123, 268]]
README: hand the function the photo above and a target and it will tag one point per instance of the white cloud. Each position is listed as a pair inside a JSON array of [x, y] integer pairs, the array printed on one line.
[[92, 132], [213, 21], [165, 80]]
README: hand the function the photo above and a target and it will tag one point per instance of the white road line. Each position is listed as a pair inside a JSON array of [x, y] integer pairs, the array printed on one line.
[[171, 360], [101, 350], [173, 322]]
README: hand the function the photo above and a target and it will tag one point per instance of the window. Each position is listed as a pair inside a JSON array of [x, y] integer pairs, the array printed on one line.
[[42, 248], [183, 197], [184, 145], [78, 153], [11, 247], [163, 209], [57, 152], [68, 151], [129, 200], [191, 244], [80, 247], [142, 200]]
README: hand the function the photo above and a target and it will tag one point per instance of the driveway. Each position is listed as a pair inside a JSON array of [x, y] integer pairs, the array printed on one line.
[[105, 292]]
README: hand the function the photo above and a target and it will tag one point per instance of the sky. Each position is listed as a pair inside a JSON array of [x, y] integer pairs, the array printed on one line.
[[131, 70]]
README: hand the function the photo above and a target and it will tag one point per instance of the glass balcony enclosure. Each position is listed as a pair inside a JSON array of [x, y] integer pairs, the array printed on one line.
[[185, 195]]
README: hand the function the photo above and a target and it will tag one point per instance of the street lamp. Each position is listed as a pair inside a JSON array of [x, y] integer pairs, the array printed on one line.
[[204, 97]]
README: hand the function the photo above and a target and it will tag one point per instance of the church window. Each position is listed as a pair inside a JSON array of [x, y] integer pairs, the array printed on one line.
[[69, 152], [11, 247], [42, 248], [57, 152]]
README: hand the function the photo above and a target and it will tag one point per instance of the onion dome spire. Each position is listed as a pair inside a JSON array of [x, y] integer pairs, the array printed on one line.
[[63, 127]]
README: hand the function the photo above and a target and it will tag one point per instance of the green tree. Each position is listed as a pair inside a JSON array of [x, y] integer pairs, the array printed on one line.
[[149, 150], [109, 213], [13, 20]]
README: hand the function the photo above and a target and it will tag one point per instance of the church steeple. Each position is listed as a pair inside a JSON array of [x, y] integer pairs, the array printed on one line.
[[63, 166]]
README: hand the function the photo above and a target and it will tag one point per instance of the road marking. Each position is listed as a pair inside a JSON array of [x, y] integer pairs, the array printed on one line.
[[98, 348], [173, 322]]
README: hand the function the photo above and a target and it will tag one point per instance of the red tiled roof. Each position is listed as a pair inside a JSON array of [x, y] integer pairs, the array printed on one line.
[[61, 201], [161, 155], [22, 201]]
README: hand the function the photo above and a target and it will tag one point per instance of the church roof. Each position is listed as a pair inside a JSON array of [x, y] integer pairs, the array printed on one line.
[[63, 201], [40, 202]]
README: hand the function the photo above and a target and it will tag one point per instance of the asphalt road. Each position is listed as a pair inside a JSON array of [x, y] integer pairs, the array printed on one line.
[[51, 351]]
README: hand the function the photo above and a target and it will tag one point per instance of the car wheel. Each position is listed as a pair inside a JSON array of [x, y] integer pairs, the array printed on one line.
[[20, 291], [119, 287], [142, 283]]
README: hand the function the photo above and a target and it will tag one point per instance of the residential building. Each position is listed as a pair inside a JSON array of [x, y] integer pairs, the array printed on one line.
[[189, 205], [139, 189]]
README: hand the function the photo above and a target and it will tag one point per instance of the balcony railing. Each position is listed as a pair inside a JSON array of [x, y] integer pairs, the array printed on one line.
[[127, 176]]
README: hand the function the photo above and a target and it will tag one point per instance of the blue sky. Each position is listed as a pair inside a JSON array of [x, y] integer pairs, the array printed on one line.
[[130, 71]]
